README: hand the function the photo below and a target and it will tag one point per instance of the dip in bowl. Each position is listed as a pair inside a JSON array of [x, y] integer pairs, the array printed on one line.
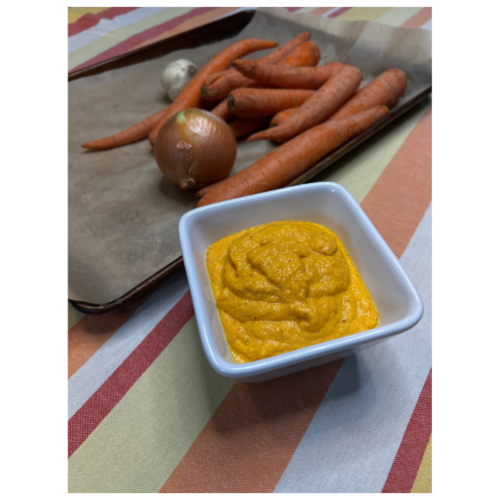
[[286, 285], [327, 204]]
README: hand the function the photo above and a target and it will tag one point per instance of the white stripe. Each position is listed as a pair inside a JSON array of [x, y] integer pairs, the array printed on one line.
[[352, 440], [331, 11], [88, 379], [105, 26], [428, 25]]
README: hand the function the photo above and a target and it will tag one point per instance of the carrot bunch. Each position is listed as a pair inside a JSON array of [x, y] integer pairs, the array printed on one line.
[[333, 112], [285, 97]]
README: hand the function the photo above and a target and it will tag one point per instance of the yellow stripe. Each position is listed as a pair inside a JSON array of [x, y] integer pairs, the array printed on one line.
[[359, 170], [138, 445], [119, 35], [305, 10], [74, 316], [320, 11], [74, 13], [398, 15], [423, 481], [364, 13]]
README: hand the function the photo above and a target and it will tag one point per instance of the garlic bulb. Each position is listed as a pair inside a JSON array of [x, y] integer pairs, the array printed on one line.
[[176, 76]]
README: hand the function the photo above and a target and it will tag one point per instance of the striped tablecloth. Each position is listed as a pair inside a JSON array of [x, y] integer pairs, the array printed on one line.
[[146, 411]]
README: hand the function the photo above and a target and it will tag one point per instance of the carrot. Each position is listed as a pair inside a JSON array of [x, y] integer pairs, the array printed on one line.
[[304, 55], [254, 103], [325, 101], [221, 87], [278, 54], [245, 126], [212, 78], [218, 86], [222, 111], [285, 77], [282, 116], [202, 192], [385, 90], [133, 134], [288, 161]]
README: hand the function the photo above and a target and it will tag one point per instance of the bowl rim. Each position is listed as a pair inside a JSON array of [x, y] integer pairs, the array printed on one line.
[[240, 370]]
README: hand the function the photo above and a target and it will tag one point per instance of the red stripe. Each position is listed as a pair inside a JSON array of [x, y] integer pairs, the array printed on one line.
[[139, 38], [91, 414], [89, 20], [412, 448], [419, 19], [339, 12], [292, 9]]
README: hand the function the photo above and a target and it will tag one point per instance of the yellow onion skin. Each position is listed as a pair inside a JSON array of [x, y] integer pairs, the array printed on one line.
[[195, 148]]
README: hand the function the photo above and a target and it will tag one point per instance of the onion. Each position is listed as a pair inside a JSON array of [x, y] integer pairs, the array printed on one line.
[[195, 148]]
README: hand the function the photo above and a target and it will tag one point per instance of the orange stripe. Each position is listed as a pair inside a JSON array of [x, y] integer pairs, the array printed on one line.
[[249, 441], [398, 200], [91, 332], [320, 11], [191, 24], [419, 19]]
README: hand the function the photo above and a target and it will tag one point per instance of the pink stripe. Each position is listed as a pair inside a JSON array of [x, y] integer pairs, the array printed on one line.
[[292, 9], [88, 20], [412, 448], [339, 12], [139, 38], [92, 413]]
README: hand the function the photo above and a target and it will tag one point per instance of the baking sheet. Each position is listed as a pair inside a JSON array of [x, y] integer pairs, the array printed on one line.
[[123, 214]]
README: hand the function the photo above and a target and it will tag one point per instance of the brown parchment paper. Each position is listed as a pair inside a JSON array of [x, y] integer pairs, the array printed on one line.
[[123, 214]]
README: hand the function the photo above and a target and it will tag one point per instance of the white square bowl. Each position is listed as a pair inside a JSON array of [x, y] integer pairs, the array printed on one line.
[[398, 302]]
